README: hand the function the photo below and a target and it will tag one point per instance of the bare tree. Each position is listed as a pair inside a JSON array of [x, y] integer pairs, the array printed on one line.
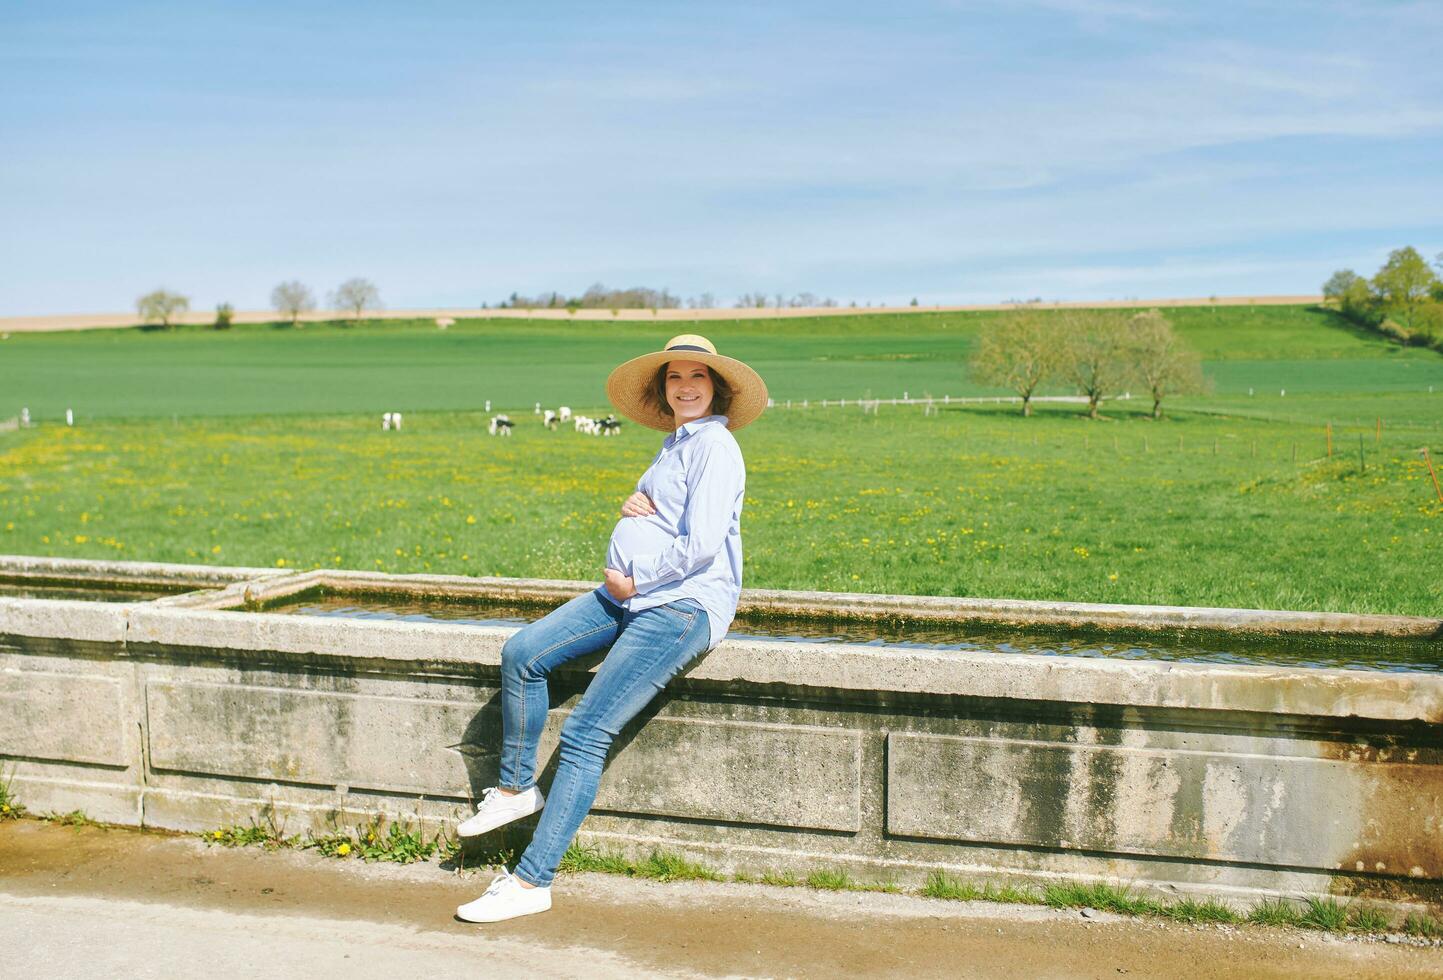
[[161, 306], [1017, 351], [292, 298], [354, 296], [1095, 354], [1163, 365]]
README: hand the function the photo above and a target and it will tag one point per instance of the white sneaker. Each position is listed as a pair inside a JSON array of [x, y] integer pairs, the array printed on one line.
[[496, 809], [507, 898]]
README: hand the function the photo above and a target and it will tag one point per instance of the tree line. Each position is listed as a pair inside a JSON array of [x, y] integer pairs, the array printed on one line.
[[600, 297], [291, 299], [1099, 353], [1403, 300]]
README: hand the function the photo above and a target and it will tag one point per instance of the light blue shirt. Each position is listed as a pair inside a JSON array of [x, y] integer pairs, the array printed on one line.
[[691, 548]]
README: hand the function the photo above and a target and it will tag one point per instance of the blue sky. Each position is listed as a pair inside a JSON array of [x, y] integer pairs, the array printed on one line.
[[965, 151]]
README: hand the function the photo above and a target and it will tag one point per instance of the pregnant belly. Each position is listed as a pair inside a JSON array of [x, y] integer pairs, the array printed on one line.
[[635, 536]]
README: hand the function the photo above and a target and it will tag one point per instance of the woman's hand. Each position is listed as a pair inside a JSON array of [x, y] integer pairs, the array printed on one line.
[[620, 586], [637, 505]]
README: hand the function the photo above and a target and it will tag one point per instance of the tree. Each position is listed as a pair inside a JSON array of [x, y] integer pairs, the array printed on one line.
[[1428, 325], [291, 299], [224, 316], [1160, 361], [161, 306], [355, 296], [1095, 354], [1339, 283], [1403, 283], [1017, 351]]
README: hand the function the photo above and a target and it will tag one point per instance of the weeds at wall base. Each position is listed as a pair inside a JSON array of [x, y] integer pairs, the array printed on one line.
[[376, 840], [399, 843], [10, 808]]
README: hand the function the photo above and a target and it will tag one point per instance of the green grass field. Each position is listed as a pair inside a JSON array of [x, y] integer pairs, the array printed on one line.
[[412, 366], [262, 446]]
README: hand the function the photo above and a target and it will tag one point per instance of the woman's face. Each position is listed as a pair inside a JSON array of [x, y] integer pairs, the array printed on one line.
[[688, 390]]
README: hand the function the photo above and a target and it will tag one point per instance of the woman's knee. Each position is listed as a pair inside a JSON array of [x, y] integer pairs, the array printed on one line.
[[580, 734], [518, 652]]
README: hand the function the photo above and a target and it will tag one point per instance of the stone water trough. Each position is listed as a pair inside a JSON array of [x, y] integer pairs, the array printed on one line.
[[191, 697]]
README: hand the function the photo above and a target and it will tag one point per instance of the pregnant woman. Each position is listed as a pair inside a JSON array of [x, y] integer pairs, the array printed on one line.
[[673, 574]]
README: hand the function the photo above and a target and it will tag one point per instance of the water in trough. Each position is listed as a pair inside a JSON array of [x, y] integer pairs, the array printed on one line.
[[1191, 646]]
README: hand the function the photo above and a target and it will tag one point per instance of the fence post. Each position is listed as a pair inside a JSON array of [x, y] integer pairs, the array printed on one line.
[[1429, 460]]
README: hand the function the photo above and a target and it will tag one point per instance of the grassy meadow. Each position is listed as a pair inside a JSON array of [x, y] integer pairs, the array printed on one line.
[[262, 446]]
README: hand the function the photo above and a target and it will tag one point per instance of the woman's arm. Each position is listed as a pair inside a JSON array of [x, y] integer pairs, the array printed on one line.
[[714, 483]]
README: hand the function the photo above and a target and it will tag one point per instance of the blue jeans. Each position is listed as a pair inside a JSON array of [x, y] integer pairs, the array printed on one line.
[[648, 648]]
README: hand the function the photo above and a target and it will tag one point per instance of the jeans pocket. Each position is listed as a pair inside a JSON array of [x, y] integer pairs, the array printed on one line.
[[683, 612]]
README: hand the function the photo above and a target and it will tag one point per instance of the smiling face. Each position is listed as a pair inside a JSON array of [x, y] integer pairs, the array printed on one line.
[[688, 390]]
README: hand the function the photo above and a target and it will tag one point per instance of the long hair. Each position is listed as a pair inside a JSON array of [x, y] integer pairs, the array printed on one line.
[[721, 398]]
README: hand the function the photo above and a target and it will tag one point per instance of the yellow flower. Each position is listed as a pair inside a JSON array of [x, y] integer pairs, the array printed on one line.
[[1080, 551], [1112, 577], [280, 563], [343, 850], [218, 834], [470, 518], [215, 550]]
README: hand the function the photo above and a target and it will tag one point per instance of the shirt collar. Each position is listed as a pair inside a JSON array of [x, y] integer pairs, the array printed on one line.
[[688, 428]]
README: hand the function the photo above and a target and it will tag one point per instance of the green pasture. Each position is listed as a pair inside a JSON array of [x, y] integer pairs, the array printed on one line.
[[262, 446], [412, 366], [1203, 508]]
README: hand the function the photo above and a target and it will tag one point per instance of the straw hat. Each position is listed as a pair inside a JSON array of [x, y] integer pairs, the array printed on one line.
[[627, 385]]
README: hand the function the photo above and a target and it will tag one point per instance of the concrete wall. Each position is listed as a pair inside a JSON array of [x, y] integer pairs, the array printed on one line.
[[1224, 780]]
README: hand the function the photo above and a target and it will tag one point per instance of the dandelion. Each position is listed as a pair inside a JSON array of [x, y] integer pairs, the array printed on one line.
[[470, 518], [218, 834], [1080, 551], [280, 563], [343, 850], [1112, 577], [215, 550]]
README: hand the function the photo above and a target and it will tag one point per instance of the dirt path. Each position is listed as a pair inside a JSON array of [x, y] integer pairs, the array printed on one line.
[[96, 321], [108, 902]]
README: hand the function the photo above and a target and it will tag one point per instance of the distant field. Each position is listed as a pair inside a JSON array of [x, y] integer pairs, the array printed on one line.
[[265, 370], [274, 456]]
